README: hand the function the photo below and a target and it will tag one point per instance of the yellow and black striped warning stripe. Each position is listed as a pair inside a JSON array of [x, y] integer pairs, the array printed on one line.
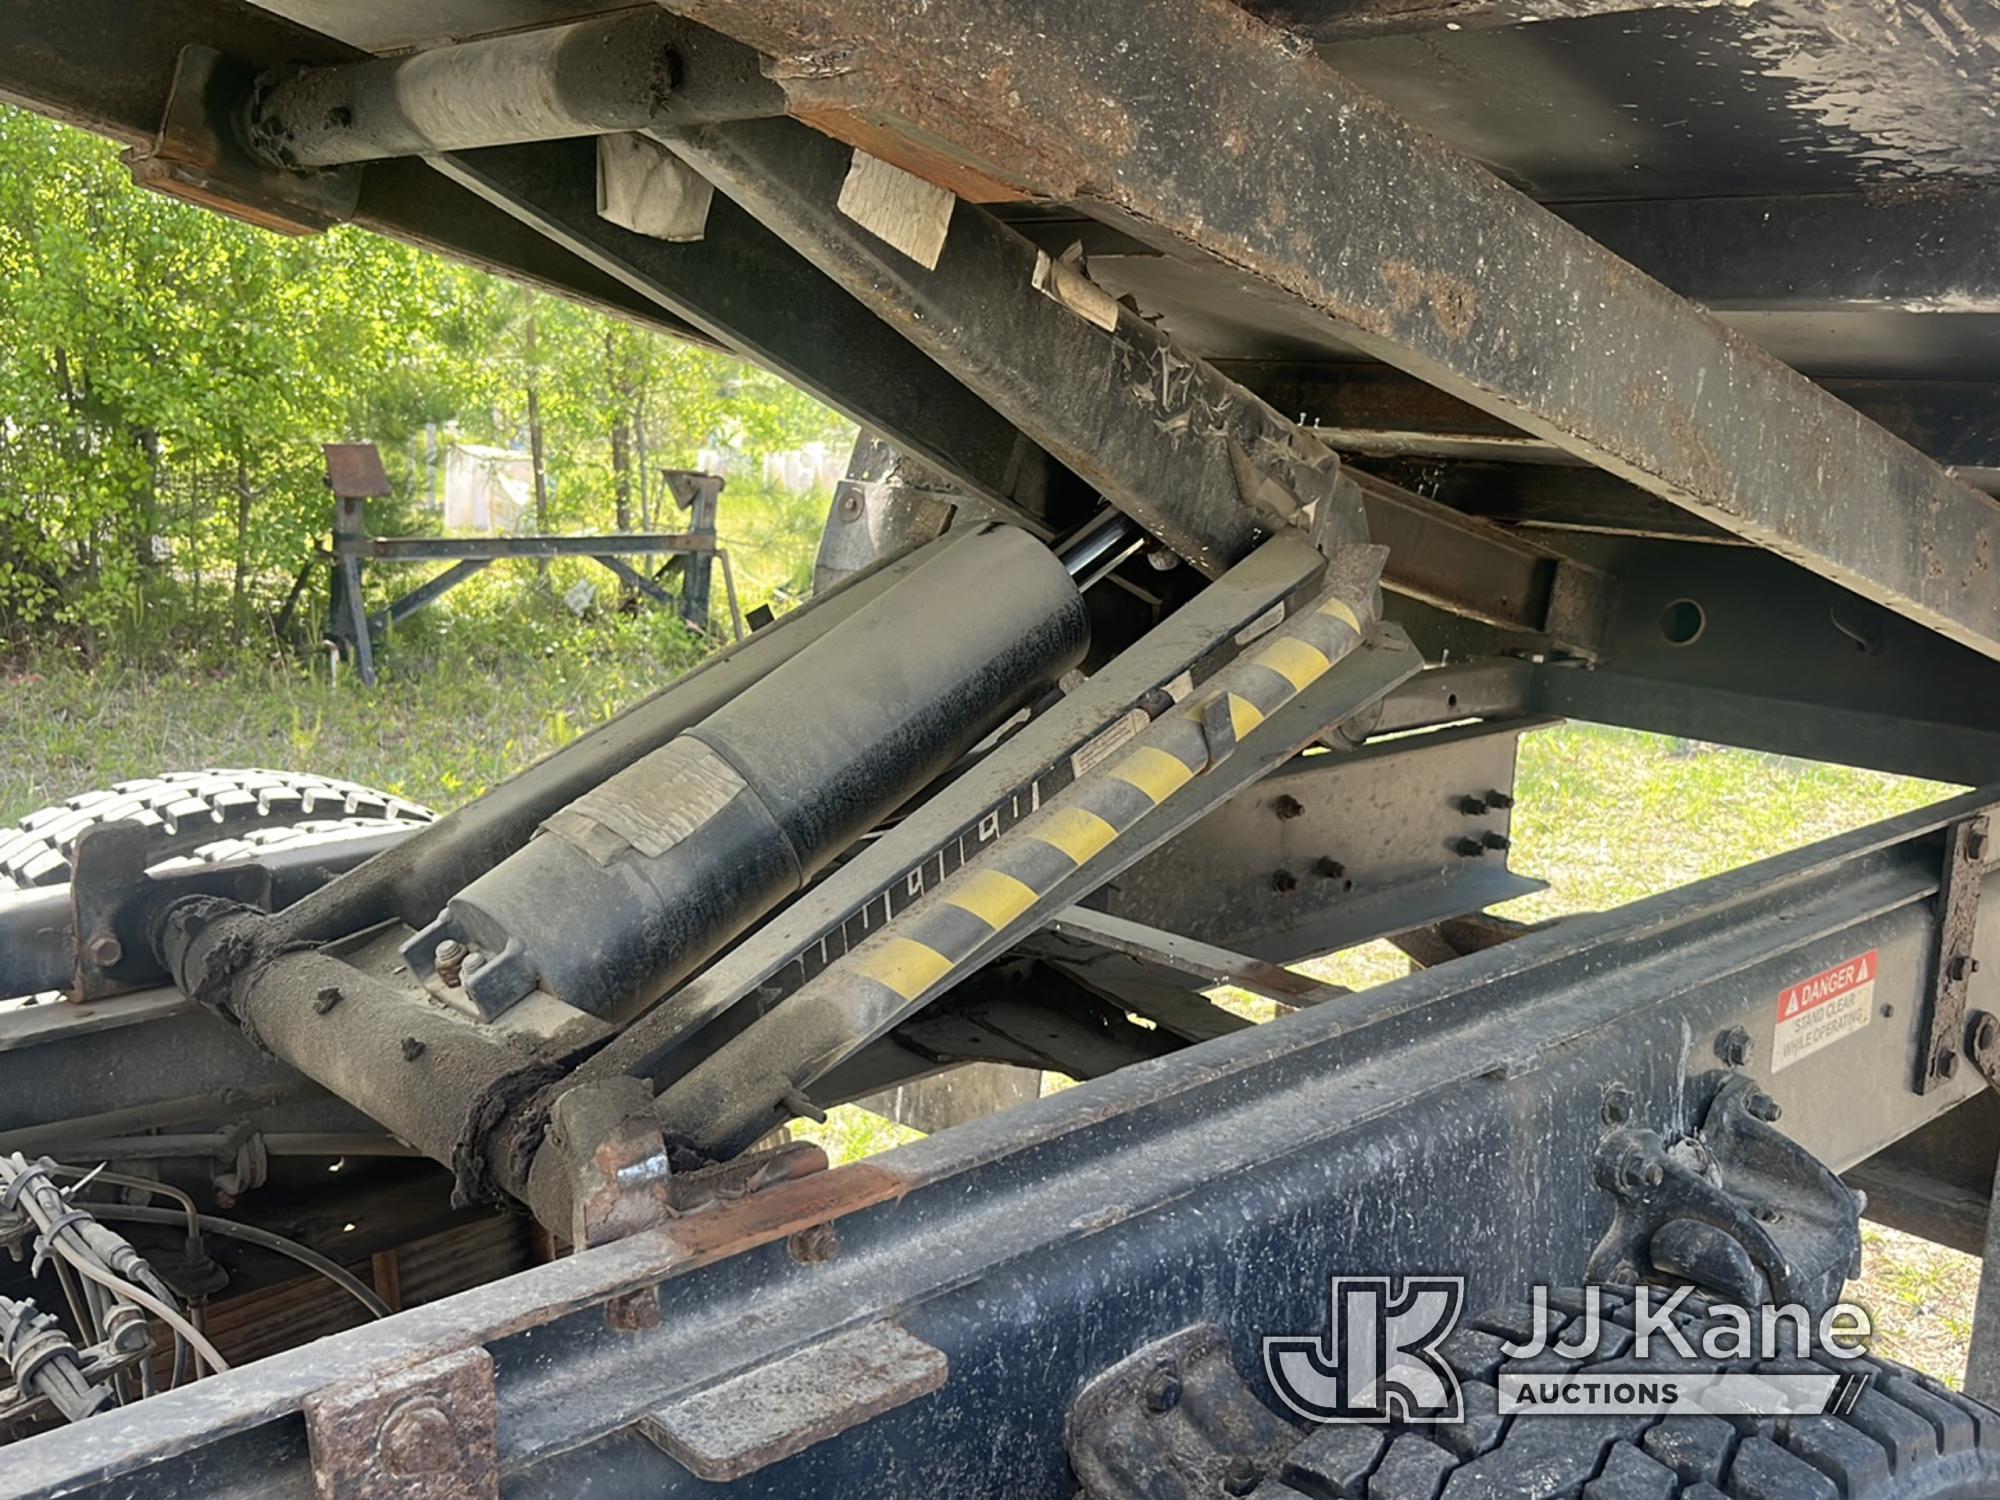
[[1027, 865]]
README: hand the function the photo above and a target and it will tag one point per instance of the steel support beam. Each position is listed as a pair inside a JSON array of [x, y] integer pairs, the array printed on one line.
[[1308, 187], [1357, 20], [428, 592], [1380, 412], [1195, 459], [1484, 572], [492, 548]]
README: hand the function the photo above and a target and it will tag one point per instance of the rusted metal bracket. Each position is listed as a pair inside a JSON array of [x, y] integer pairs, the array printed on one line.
[[199, 158], [1966, 848], [776, 1410], [113, 901], [1736, 1206], [421, 1432], [1174, 1419]]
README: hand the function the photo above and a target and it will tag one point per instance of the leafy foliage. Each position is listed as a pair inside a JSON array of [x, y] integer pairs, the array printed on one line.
[[167, 377]]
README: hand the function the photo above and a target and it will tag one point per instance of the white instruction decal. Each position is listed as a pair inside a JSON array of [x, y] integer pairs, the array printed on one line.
[[897, 207], [1121, 733], [1819, 1011]]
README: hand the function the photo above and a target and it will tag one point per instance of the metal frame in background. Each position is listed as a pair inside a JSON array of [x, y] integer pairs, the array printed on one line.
[[355, 476]]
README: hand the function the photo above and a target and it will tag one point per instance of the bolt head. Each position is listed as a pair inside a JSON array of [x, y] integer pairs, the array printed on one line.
[[1734, 1046], [1617, 1104], [1162, 1390], [1761, 1106], [814, 1245], [1241, 1477], [418, 1440], [850, 506], [104, 950], [1652, 1174], [1946, 1064], [1986, 1035]]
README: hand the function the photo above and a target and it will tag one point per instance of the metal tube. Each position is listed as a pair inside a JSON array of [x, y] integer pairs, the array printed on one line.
[[430, 1078], [1080, 552], [592, 77], [415, 879], [638, 881], [55, 1136]]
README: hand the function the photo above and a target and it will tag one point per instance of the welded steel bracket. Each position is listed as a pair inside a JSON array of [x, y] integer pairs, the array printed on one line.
[[421, 1432], [198, 156], [113, 903], [1174, 1419], [1966, 848], [1737, 1206]]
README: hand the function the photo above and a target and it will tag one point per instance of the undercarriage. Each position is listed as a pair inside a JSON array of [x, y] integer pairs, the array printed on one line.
[[1269, 414]]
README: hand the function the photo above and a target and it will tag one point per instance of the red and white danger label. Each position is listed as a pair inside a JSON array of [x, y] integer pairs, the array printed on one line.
[[1821, 1010]]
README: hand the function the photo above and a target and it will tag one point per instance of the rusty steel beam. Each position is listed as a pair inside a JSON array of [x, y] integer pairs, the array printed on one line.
[[1209, 132], [1198, 461], [1357, 20]]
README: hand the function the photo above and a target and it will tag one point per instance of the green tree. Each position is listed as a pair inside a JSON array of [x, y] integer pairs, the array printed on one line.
[[167, 377]]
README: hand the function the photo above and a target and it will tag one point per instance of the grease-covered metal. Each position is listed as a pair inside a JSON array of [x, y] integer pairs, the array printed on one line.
[[1404, 250]]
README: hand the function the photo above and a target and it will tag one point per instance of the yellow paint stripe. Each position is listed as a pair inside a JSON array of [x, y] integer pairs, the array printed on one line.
[[1077, 833], [1244, 715], [905, 965], [993, 897], [1299, 662], [1342, 613], [1154, 772]]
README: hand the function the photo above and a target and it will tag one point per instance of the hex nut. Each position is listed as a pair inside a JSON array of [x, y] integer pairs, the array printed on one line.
[[1734, 1046]]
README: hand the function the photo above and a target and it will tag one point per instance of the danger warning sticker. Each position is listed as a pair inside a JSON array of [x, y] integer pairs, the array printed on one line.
[[1821, 1010]]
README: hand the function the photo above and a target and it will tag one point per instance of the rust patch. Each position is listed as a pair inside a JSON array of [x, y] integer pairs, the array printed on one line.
[[416, 1432], [1405, 283], [933, 165], [1454, 302], [783, 1210]]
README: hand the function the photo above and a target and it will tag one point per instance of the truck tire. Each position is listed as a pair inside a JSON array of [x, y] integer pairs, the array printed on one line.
[[202, 815], [1909, 1437]]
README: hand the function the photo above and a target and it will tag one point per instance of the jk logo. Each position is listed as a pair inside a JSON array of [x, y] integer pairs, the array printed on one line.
[[1377, 1360]]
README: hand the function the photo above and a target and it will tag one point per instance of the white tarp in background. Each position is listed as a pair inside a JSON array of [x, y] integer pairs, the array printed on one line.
[[487, 489], [800, 471]]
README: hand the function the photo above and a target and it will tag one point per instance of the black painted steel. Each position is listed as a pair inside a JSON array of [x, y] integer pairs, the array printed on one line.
[[417, 878], [1447, 1120], [638, 881], [1407, 251]]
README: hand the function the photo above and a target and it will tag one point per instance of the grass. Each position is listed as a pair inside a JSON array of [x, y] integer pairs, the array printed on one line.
[[458, 709], [1606, 816]]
